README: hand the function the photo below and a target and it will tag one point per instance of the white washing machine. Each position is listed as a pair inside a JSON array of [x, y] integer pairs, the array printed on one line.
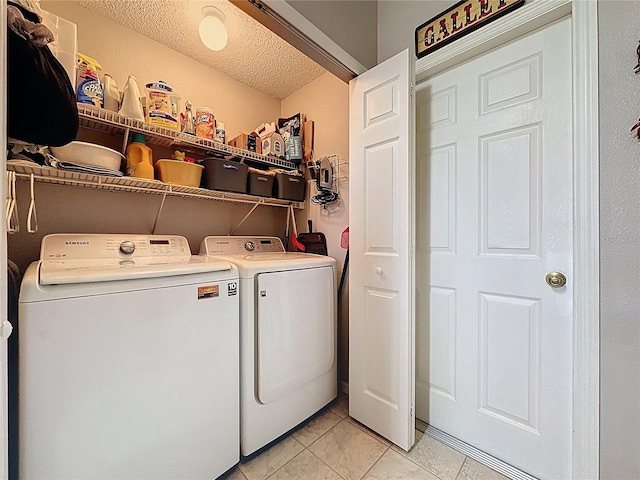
[[128, 363], [288, 355]]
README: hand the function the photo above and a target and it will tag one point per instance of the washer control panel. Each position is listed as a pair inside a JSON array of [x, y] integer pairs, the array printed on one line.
[[101, 247], [240, 245]]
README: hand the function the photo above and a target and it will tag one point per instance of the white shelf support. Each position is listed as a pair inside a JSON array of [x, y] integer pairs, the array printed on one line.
[[258, 203], [155, 223]]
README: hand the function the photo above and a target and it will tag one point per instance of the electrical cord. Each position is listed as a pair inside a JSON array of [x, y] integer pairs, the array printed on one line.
[[324, 197]]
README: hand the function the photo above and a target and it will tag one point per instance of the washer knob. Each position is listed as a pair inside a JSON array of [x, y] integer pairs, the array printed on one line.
[[250, 246], [127, 247]]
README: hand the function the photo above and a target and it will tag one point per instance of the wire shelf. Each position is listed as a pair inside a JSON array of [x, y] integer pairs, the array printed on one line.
[[137, 185], [110, 122]]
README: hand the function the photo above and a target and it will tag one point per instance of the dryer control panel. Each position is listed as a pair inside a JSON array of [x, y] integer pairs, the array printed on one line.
[[240, 245]]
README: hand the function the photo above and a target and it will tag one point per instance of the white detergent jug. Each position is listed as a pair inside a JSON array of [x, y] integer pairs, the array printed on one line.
[[112, 96], [131, 106]]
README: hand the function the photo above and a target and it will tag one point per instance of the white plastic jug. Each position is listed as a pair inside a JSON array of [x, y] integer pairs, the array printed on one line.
[[112, 96], [131, 106]]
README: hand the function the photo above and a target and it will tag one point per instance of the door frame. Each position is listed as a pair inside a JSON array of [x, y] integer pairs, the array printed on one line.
[[586, 298], [4, 399]]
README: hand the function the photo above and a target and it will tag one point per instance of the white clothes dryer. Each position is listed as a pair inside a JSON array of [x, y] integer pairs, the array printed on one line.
[[288, 367], [128, 362]]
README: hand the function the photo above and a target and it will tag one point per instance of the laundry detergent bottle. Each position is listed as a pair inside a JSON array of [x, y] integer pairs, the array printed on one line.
[[89, 88], [139, 158]]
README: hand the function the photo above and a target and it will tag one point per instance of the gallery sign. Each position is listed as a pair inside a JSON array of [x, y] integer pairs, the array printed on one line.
[[462, 18]]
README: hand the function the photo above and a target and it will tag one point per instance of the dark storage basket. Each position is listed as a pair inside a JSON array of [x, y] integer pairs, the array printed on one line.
[[260, 184], [224, 175], [290, 187]]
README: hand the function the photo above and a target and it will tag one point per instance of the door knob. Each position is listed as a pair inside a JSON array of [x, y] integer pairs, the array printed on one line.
[[379, 270], [556, 279]]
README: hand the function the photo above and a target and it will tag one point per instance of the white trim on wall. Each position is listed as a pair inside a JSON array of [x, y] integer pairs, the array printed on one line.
[[586, 315], [4, 400]]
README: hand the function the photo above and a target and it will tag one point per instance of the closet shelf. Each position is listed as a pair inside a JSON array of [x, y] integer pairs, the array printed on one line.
[[137, 185], [110, 122]]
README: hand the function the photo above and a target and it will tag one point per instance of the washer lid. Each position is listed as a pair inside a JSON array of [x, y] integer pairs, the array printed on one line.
[[57, 272]]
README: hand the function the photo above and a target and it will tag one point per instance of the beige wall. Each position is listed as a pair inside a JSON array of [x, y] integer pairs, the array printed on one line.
[[397, 22], [326, 102], [352, 24], [64, 209], [619, 241]]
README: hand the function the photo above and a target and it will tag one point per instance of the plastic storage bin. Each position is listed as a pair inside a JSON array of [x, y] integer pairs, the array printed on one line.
[[220, 174], [290, 187], [260, 184], [179, 173]]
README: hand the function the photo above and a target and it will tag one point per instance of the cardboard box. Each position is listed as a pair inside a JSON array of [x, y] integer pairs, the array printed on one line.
[[245, 142], [273, 144]]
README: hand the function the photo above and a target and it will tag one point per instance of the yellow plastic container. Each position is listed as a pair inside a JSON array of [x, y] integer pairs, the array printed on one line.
[[179, 173], [139, 158]]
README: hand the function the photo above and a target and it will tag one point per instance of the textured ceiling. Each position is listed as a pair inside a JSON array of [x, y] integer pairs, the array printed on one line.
[[254, 55]]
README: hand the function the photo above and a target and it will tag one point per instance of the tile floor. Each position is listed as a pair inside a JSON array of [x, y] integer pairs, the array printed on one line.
[[333, 446]]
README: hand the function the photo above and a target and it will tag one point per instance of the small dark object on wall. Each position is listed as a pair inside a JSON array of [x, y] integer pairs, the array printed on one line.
[[637, 67], [636, 127]]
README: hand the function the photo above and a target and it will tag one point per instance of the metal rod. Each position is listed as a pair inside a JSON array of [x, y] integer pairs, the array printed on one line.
[[245, 217], [155, 223], [125, 140]]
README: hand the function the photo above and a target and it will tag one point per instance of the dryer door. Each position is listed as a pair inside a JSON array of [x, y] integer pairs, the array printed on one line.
[[296, 329]]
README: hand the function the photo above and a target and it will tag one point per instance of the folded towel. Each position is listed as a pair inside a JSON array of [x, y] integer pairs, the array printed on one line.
[[271, 173], [74, 167]]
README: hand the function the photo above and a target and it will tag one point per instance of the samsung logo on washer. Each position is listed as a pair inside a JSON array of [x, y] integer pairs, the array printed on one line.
[[76, 243]]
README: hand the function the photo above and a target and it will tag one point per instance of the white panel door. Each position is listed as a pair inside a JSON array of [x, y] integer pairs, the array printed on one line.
[[494, 216], [381, 313]]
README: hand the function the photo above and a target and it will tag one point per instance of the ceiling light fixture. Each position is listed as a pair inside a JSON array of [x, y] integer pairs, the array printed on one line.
[[212, 31]]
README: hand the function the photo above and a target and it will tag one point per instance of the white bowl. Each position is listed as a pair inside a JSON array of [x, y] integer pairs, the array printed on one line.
[[84, 153]]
